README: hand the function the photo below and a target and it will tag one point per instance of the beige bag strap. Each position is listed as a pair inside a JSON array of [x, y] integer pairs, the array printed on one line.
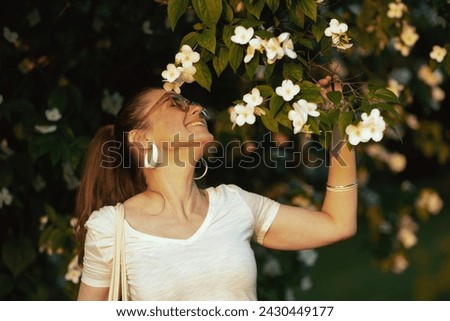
[[118, 273]]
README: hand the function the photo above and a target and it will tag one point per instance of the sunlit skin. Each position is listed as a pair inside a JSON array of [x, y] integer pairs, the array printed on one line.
[[174, 207]]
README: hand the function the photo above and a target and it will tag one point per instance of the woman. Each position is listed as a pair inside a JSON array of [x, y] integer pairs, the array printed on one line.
[[184, 243]]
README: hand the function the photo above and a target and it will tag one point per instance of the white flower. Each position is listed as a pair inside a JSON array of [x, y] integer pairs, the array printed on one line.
[[396, 162], [10, 36], [171, 73], [306, 283], [287, 44], [45, 129], [399, 264], [374, 123], [34, 18], [395, 87], [335, 28], [254, 44], [287, 90], [245, 114], [430, 77], [69, 177], [407, 238], [412, 121], [5, 197], [186, 56], [272, 267], [241, 35], [437, 94], [409, 35], [146, 27], [429, 201], [274, 51], [337, 32], [187, 74], [400, 46], [356, 134], [53, 114], [308, 108], [253, 98], [396, 9], [172, 86], [298, 118], [111, 103], [308, 257], [73, 271], [438, 53], [73, 222]]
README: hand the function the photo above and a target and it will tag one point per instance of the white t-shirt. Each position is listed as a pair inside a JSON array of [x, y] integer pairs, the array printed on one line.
[[215, 263]]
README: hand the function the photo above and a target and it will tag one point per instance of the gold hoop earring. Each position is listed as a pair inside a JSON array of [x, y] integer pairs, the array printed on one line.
[[206, 169], [154, 157]]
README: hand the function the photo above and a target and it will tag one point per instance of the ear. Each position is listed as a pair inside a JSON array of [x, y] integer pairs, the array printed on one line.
[[135, 137]]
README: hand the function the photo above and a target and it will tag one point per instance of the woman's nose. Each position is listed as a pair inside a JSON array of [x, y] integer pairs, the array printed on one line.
[[198, 109]]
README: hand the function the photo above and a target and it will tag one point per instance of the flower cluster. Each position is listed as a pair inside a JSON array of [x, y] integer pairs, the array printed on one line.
[[111, 104], [245, 113], [299, 115], [429, 201], [338, 33], [370, 127], [432, 79], [438, 53], [395, 161], [408, 38], [183, 70], [275, 48], [396, 9]]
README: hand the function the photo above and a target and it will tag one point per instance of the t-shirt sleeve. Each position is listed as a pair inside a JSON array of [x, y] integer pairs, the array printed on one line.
[[264, 211], [98, 248]]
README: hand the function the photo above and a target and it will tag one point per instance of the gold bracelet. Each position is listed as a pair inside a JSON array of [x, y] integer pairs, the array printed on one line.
[[342, 188]]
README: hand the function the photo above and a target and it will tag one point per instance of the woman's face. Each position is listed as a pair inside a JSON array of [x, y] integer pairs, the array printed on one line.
[[176, 123]]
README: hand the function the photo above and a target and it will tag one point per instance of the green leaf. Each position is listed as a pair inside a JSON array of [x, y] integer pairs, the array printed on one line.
[[276, 102], [203, 75], [269, 121], [282, 116], [345, 119], [227, 13], [292, 70], [190, 39], [254, 7], [250, 67], [208, 11], [220, 61], [386, 95], [265, 90], [309, 8], [310, 92], [17, 255], [273, 4], [269, 71], [333, 116], [335, 97], [387, 107], [318, 29], [250, 22], [295, 12], [235, 56], [58, 98], [207, 39], [307, 43], [175, 9], [228, 32]]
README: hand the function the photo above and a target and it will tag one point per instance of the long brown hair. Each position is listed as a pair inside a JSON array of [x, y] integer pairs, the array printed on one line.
[[111, 173]]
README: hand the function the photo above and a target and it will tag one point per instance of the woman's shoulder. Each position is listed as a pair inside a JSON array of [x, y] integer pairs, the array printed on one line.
[[102, 219], [225, 189]]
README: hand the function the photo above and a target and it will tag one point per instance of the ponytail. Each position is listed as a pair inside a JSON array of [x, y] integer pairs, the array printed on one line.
[[110, 176]]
